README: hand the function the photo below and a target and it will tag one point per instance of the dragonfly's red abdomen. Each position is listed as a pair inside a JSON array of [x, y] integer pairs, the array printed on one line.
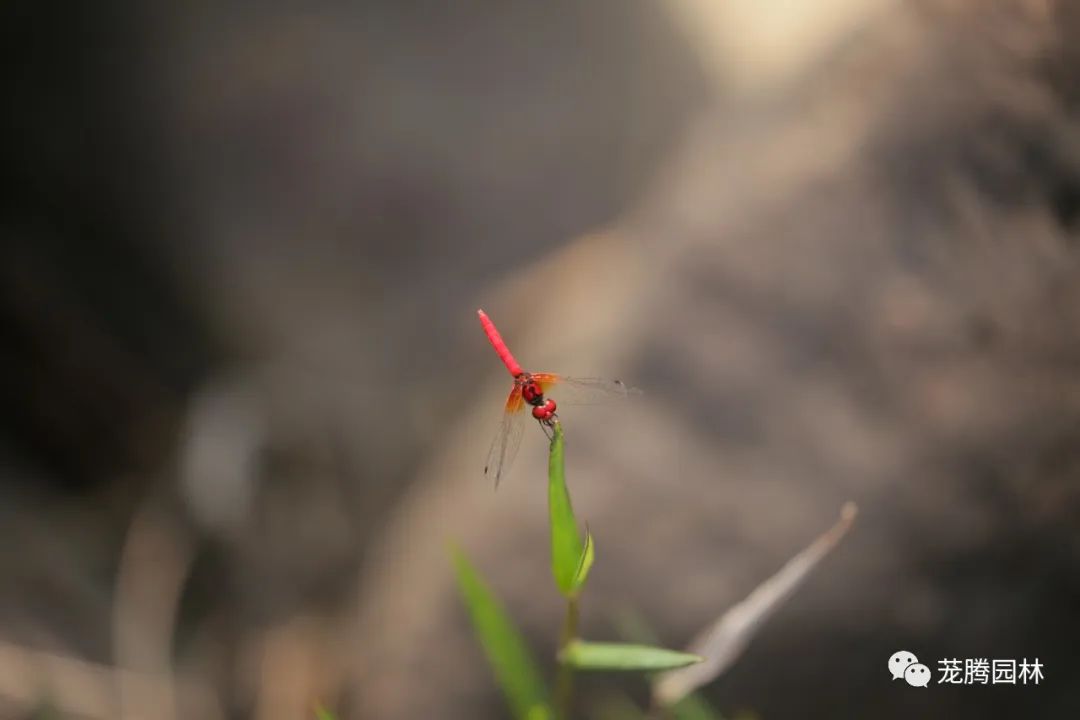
[[500, 347]]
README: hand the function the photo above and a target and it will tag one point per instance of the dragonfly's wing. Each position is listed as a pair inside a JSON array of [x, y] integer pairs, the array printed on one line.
[[508, 439], [583, 391]]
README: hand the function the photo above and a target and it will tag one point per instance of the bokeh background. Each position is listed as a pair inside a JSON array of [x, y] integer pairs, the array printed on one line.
[[246, 402]]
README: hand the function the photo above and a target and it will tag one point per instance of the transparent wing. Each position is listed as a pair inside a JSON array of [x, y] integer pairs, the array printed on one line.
[[508, 438], [583, 391]]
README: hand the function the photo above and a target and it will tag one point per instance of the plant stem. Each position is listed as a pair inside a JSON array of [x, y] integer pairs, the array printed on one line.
[[564, 680]]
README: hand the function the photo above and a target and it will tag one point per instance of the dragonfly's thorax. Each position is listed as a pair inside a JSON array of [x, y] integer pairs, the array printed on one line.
[[531, 391]]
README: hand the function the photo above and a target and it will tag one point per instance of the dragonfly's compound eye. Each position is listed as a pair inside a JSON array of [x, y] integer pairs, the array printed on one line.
[[545, 411]]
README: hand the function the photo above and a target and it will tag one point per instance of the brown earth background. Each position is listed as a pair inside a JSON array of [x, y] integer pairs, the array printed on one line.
[[245, 403]]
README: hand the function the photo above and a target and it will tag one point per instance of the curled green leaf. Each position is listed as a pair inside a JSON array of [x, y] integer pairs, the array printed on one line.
[[588, 555], [583, 655], [567, 550]]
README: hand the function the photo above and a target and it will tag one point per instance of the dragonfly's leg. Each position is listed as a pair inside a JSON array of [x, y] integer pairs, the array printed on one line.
[[545, 425]]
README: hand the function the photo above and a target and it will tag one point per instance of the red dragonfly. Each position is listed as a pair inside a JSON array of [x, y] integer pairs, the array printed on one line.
[[531, 390]]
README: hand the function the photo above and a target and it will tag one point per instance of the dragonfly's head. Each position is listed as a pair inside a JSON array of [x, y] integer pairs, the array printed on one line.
[[545, 412]]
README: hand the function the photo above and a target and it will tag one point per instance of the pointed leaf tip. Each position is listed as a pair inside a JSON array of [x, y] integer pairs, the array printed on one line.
[[849, 511]]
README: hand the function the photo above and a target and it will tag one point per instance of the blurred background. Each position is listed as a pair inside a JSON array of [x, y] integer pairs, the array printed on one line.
[[246, 402]]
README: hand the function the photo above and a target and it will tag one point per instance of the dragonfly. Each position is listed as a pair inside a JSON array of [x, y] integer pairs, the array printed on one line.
[[531, 390]]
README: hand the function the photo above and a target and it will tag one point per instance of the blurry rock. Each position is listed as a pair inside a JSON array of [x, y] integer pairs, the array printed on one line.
[[866, 288]]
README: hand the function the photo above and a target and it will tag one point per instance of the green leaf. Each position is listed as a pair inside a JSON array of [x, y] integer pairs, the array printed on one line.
[[505, 648], [623, 656], [322, 713], [567, 551], [585, 563]]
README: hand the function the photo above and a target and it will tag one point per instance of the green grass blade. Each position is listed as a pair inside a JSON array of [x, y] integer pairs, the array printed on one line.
[[505, 648], [624, 656], [566, 545], [322, 713]]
